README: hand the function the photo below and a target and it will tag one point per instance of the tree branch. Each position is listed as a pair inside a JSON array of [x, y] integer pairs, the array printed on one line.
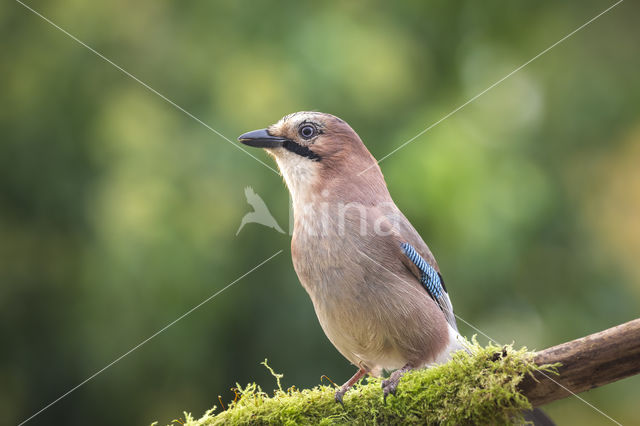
[[490, 385], [587, 363]]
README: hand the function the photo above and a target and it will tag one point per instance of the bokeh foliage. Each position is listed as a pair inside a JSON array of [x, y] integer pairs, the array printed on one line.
[[118, 213]]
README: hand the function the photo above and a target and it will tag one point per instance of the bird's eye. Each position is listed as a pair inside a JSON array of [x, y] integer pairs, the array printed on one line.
[[307, 131]]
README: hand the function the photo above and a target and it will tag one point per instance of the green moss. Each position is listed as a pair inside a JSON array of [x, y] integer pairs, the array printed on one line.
[[478, 388]]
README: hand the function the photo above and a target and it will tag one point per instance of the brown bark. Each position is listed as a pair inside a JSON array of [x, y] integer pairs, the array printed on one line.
[[587, 363]]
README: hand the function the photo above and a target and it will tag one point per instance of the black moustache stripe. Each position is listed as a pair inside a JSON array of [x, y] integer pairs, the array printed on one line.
[[303, 151]]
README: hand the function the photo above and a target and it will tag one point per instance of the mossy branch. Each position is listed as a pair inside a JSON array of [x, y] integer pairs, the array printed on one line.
[[477, 388], [586, 363], [491, 385]]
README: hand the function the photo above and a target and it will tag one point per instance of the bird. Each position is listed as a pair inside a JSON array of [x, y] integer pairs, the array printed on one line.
[[375, 285], [260, 213]]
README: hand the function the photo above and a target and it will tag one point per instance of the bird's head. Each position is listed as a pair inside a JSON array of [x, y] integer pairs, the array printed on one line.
[[316, 153]]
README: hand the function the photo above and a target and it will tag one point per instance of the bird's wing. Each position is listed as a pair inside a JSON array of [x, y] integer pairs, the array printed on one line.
[[417, 257], [430, 279]]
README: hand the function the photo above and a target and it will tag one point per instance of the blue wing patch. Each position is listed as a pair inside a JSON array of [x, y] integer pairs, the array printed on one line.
[[430, 278], [432, 281]]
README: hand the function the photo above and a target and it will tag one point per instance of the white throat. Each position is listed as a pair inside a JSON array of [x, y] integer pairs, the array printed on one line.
[[299, 175]]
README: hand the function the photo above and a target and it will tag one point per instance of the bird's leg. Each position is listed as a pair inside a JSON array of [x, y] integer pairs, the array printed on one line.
[[344, 388], [390, 385]]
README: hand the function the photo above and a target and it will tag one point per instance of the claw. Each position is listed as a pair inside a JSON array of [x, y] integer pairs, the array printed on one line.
[[340, 392], [390, 385]]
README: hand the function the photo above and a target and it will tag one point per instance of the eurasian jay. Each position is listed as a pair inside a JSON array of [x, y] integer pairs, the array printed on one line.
[[375, 286]]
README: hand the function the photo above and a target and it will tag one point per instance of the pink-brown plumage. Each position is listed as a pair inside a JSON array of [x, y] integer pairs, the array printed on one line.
[[346, 251]]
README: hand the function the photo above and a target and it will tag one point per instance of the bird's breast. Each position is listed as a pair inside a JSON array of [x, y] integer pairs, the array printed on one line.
[[328, 243]]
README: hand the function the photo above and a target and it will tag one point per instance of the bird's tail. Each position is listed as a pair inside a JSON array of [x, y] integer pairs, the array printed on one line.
[[538, 417]]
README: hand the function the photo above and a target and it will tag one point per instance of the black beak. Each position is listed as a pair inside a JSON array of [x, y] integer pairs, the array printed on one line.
[[261, 139]]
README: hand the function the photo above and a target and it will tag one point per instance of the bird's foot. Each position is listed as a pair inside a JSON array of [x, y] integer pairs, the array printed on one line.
[[344, 388], [390, 385]]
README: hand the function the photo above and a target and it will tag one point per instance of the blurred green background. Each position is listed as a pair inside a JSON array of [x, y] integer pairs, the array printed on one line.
[[118, 212]]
